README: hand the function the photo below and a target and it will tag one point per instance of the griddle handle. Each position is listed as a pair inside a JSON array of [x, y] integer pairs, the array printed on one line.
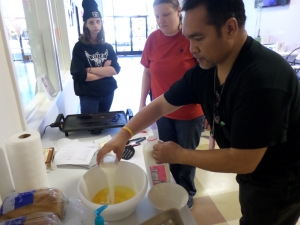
[[129, 114], [58, 121]]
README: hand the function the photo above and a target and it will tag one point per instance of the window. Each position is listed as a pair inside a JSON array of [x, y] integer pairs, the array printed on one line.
[[29, 29], [127, 24]]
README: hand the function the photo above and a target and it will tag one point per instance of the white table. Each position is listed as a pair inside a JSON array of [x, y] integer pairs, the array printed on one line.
[[66, 179], [284, 54]]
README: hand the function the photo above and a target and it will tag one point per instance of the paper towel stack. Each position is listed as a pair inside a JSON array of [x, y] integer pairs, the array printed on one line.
[[26, 159]]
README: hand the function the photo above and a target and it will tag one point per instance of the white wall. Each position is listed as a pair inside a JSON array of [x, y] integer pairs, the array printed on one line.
[[66, 30], [280, 22]]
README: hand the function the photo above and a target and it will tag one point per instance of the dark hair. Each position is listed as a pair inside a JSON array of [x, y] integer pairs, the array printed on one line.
[[86, 36], [175, 5], [219, 11]]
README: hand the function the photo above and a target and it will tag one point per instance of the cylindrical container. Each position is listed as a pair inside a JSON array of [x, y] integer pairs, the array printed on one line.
[[26, 159], [157, 173], [6, 183]]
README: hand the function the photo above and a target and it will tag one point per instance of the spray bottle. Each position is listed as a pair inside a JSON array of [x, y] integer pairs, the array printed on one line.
[[99, 219]]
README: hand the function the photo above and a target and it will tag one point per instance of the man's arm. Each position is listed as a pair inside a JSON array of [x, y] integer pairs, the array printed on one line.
[[241, 161], [143, 119], [231, 160]]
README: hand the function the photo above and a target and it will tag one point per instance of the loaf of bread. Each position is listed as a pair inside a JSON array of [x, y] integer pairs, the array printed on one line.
[[39, 218], [41, 200]]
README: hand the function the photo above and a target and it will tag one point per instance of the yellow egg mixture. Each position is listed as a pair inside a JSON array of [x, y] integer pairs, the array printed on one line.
[[122, 194]]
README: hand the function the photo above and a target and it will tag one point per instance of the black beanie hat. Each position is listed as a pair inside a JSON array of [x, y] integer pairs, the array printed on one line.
[[90, 8]]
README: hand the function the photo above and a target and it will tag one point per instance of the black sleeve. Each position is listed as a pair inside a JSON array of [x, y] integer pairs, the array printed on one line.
[[186, 90], [113, 57], [77, 64], [260, 118]]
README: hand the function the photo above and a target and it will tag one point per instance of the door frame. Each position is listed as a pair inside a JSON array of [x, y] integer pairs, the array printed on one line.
[[131, 52]]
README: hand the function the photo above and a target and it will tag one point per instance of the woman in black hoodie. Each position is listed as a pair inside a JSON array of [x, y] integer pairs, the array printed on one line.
[[94, 63]]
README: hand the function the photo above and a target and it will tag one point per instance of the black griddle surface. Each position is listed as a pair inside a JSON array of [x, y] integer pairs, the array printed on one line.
[[96, 121]]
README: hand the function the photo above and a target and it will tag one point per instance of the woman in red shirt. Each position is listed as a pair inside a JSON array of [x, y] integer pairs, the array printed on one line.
[[166, 58]]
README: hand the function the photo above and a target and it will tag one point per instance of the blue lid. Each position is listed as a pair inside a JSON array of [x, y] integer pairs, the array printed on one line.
[[99, 219]]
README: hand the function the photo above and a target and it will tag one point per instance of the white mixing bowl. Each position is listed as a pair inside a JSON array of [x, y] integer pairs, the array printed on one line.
[[168, 195], [127, 174]]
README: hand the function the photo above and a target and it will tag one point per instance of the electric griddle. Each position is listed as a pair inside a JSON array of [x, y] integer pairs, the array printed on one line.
[[94, 123]]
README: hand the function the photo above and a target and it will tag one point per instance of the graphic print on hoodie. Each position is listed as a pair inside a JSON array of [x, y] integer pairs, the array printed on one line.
[[98, 58]]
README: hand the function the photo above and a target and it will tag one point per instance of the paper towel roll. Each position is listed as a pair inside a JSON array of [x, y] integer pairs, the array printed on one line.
[[6, 183], [26, 159]]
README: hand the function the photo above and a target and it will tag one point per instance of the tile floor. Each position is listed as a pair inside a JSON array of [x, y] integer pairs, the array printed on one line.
[[216, 202], [129, 80]]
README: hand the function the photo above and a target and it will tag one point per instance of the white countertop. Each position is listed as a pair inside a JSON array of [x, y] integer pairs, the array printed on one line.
[[66, 179], [283, 54]]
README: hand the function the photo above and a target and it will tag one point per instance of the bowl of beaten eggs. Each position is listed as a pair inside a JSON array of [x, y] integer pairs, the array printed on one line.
[[130, 186]]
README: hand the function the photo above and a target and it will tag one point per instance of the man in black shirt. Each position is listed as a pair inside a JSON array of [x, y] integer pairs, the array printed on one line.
[[251, 98]]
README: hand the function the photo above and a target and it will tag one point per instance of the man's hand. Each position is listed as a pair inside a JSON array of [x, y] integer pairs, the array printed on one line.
[[206, 125], [167, 152], [116, 144], [107, 63]]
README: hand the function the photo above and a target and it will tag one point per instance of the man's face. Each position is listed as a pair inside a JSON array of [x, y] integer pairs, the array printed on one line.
[[206, 45]]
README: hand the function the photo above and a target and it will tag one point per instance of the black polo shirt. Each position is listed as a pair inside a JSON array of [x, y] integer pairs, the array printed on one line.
[[259, 106]]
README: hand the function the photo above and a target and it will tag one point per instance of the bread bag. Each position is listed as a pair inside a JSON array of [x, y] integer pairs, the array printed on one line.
[[41, 200], [38, 218]]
